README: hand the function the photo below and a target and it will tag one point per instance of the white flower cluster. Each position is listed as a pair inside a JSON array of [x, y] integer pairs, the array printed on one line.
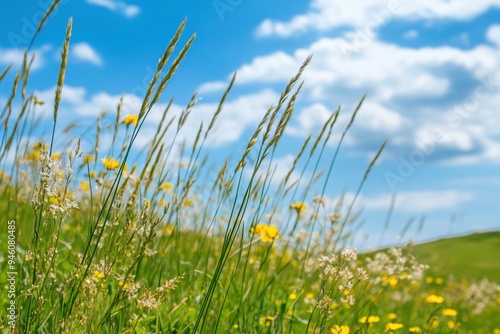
[[51, 187], [341, 271], [481, 295], [394, 263]]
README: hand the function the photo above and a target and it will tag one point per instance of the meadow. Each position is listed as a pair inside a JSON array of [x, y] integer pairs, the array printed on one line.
[[114, 238]]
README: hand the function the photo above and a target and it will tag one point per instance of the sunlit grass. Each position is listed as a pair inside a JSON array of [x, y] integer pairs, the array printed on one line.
[[111, 239]]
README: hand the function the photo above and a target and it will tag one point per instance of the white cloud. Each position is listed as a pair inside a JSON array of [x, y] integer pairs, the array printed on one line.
[[275, 67], [278, 169], [391, 75], [70, 94], [410, 72], [117, 6], [409, 202], [493, 34], [421, 201], [76, 102], [324, 15], [375, 117], [212, 87], [309, 119], [15, 56], [238, 114], [84, 52], [108, 103]]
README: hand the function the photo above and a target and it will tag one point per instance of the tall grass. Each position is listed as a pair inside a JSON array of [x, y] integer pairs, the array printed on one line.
[[111, 239]]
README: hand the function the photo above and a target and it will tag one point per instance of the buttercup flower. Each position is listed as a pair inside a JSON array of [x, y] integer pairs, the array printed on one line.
[[392, 326], [266, 232], [88, 158], [339, 329], [266, 321], [369, 319], [448, 312], [98, 274], [110, 163], [84, 185], [434, 299], [299, 206], [131, 119], [166, 186], [392, 316]]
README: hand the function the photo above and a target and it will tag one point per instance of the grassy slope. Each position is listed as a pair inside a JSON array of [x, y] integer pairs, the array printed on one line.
[[473, 256]]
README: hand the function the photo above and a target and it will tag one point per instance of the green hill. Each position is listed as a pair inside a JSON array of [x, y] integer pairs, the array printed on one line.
[[473, 256]]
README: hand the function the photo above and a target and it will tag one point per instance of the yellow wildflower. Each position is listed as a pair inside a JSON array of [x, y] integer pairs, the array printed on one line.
[[88, 158], [131, 119], [414, 329], [166, 186], [392, 316], [266, 321], [34, 156], [84, 185], [56, 156], [40, 146], [448, 312], [393, 281], [98, 274], [53, 200], [339, 329], [439, 280], [309, 295], [293, 296], [434, 299], [266, 232], [392, 326], [110, 163], [434, 323], [299, 206], [168, 229], [125, 285], [370, 319], [429, 279], [187, 202]]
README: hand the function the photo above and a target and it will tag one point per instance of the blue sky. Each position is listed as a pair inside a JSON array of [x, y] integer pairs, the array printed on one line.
[[431, 70]]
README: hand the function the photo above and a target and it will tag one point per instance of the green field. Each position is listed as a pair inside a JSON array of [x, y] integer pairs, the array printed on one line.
[[114, 238], [473, 256]]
